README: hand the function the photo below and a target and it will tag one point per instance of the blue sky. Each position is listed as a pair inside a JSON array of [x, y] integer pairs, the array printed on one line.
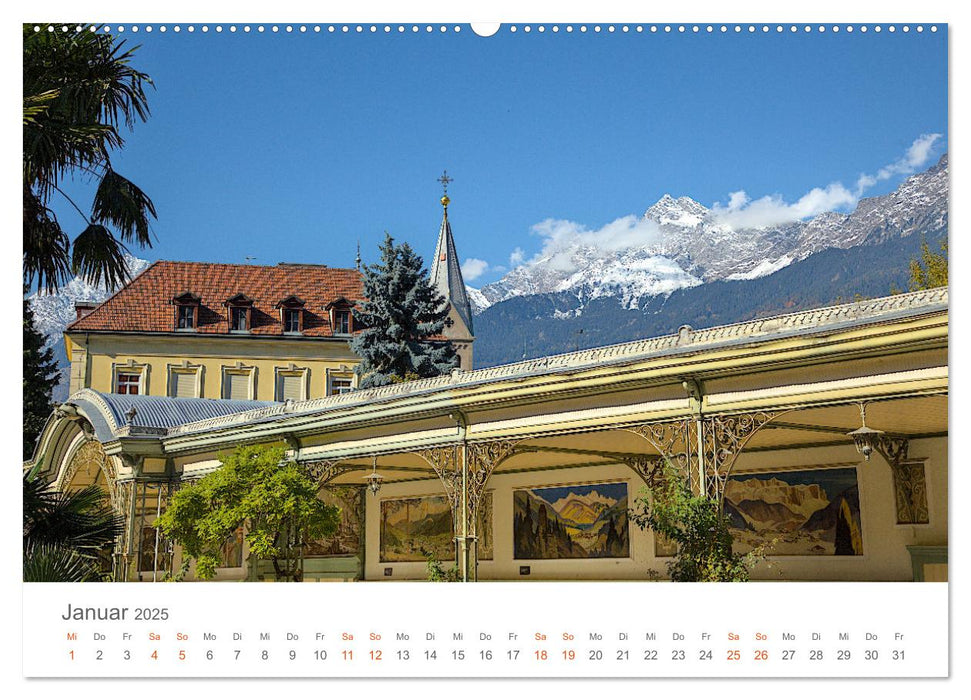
[[292, 147]]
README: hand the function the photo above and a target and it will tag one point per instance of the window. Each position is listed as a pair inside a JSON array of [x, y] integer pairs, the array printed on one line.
[[291, 321], [239, 318], [128, 383], [186, 317], [187, 311], [183, 384], [342, 321], [340, 385], [290, 387], [236, 385], [291, 313]]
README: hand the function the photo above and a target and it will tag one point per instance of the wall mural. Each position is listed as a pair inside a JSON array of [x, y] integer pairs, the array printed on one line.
[[347, 540], [571, 522], [809, 512], [412, 526]]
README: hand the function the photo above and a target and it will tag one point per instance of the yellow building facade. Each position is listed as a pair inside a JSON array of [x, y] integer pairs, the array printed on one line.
[[206, 330], [211, 368]]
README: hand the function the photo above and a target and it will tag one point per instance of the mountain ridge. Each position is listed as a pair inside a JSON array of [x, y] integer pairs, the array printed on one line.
[[688, 245]]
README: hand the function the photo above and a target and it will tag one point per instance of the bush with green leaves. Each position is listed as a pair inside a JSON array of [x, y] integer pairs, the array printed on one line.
[[930, 270], [437, 572], [273, 499], [696, 526]]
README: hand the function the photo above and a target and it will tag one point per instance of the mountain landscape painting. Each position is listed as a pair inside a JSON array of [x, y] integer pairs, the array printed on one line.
[[347, 540], [807, 513], [571, 522], [413, 528]]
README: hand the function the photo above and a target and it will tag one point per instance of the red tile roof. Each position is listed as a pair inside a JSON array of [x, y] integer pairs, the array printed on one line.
[[145, 304]]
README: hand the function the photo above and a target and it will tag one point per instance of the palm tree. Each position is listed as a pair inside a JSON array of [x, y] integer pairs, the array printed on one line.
[[79, 90], [67, 533]]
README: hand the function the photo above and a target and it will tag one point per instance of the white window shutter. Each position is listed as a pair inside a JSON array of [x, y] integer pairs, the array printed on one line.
[[238, 385], [291, 387], [184, 385]]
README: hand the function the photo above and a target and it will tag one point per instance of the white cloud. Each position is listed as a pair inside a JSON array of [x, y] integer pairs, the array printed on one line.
[[473, 268], [562, 239], [916, 157], [619, 234], [772, 210]]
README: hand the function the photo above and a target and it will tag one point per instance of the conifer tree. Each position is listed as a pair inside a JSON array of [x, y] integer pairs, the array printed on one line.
[[401, 314], [40, 378]]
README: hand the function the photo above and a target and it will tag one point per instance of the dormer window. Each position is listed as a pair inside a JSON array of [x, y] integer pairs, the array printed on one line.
[[291, 314], [186, 317], [239, 318], [240, 313], [187, 311], [341, 318], [291, 320], [342, 321]]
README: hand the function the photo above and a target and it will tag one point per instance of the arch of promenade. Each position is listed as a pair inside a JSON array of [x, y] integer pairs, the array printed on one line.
[[776, 393]]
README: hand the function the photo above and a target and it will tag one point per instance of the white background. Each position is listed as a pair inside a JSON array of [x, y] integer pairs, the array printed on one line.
[[507, 11]]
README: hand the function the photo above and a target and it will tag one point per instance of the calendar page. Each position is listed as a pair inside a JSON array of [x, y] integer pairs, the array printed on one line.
[[366, 349]]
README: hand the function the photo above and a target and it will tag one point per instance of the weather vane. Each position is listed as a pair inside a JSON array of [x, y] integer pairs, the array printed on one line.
[[445, 179]]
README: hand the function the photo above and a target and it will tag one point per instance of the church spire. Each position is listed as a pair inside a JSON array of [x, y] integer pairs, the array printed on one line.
[[446, 269]]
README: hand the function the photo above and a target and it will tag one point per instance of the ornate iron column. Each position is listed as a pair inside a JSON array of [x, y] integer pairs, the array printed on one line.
[[464, 470]]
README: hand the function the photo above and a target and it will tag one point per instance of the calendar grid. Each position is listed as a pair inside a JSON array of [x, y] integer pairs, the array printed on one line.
[[510, 630]]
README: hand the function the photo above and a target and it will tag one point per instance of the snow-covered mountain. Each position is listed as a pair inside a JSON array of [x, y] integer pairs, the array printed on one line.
[[680, 243], [52, 313]]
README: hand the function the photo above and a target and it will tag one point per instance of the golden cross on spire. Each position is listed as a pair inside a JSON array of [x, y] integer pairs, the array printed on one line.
[[445, 179]]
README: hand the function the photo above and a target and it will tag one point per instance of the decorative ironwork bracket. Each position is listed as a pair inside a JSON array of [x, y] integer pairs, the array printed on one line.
[[482, 460], [323, 471], [444, 462], [893, 449], [649, 468], [721, 441]]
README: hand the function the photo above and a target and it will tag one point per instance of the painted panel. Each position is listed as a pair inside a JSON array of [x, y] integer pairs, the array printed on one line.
[[412, 527], [807, 512], [347, 540], [581, 521]]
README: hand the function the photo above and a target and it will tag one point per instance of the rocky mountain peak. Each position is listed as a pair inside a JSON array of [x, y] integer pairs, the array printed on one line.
[[683, 212]]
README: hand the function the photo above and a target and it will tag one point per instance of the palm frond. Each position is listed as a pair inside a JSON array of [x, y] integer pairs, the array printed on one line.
[[81, 520], [80, 91], [99, 257], [121, 203], [35, 105], [50, 563], [46, 247]]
